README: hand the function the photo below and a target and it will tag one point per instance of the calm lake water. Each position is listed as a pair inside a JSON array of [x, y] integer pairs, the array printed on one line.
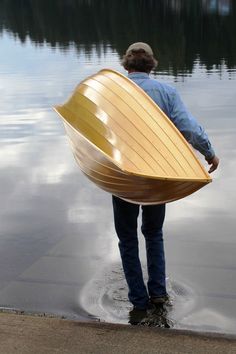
[[58, 248]]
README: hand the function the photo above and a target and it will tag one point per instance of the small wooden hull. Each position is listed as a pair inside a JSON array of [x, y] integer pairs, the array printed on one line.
[[126, 145]]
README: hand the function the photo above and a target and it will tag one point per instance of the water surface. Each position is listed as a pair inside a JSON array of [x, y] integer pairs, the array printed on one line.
[[58, 248]]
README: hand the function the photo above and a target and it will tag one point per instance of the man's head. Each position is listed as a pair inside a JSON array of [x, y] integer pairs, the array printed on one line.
[[139, 57]]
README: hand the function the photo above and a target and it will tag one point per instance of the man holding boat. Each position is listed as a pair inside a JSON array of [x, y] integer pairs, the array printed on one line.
[[139, 61]]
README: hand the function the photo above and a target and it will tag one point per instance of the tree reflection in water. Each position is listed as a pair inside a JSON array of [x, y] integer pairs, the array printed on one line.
[[180, 31]]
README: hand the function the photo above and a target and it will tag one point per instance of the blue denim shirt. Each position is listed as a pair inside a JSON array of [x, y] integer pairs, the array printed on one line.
[[168, 99]]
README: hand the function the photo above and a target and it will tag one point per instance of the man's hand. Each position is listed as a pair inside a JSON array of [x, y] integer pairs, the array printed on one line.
[[214, 162]]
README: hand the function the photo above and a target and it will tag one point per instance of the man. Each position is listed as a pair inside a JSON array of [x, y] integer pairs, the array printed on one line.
[[139, 61]]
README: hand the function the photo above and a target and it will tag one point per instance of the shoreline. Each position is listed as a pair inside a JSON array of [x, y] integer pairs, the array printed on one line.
[[93, 320], [21, 332]]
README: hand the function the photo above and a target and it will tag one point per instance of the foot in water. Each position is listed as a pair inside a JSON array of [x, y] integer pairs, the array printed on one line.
[[156, 315], [138, 316], [161, 300]]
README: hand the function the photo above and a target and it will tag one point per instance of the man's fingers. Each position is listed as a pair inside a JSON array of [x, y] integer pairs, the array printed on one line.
[[214, 164], [212, 169]]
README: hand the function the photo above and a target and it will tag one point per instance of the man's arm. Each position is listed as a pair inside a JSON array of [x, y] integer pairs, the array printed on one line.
[[192, 130]]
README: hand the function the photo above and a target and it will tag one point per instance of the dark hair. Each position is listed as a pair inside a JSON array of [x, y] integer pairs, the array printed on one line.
[[139, 60]]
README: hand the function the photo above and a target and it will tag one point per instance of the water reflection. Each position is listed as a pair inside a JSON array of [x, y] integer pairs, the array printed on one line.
[[180, 31], [58, 249], [222, 7]]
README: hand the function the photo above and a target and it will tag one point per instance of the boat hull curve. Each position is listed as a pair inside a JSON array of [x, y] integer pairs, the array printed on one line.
[[126, 145]]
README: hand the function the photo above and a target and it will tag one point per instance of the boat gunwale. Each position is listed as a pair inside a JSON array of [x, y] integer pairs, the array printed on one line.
[[135, 201], [114, 184]]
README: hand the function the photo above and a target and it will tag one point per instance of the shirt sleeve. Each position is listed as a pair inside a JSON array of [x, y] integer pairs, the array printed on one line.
[[189, 127]]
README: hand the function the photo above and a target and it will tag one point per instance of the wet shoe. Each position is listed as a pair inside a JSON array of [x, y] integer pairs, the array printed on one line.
[[159, 317], [160, 300], [137, 316]]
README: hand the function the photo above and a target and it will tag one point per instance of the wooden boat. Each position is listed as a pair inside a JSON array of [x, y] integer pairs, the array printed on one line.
[[126, 145]]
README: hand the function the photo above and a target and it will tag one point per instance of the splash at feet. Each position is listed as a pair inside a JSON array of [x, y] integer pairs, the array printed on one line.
[[105, 298]]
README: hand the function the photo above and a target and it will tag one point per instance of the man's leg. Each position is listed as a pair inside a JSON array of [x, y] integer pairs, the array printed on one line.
[[125, 216], [152, 222]]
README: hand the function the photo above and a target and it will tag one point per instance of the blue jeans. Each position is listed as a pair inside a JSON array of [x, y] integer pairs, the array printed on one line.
[[125, 217]]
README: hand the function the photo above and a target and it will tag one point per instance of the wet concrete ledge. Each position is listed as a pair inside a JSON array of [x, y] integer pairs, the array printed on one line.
[[24, 334]]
